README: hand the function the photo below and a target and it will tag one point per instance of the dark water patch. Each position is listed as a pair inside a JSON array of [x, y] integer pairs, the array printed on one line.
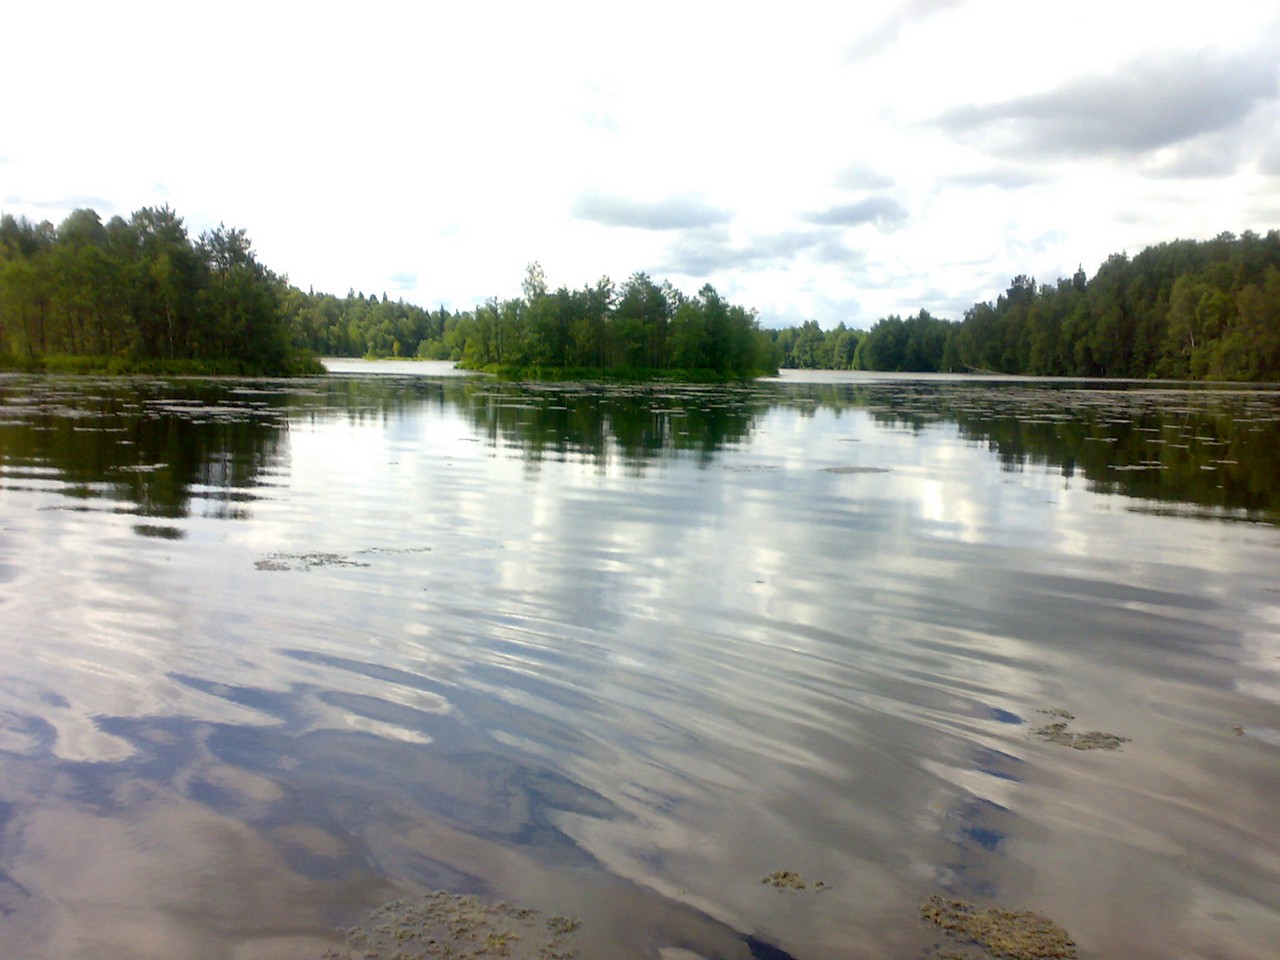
[[542, 689], [283, 705], [470, 719], [374, 671], [408, 718], [1121, 594], [1215, 514], [1001, 715], [158, 532], [763, 950], [13, 895], [142, 448], [998, 764], [164, 752], [987, 839], [25, 735], [483, 791], [979, 823]]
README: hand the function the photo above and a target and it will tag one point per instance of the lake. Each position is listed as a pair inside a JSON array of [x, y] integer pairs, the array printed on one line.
[[278, 653]]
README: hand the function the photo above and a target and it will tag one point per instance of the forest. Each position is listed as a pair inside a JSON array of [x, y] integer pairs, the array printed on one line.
[[640, 328], [1202, 310], [139, 295]]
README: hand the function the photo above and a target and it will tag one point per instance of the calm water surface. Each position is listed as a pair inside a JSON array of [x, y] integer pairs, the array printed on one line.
[[276, 653]]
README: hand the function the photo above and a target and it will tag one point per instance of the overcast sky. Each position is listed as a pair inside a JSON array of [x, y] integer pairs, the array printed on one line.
[[828, 161]]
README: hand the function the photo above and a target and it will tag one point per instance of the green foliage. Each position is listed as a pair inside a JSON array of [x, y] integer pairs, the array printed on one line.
[[807, 347], [642, 330], [1187, 309], [139, 296], [916, 344]]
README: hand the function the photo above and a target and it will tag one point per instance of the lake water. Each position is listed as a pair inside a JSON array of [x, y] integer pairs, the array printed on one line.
[[275, 653]]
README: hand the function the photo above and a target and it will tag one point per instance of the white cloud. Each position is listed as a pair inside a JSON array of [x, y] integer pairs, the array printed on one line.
[[792, 160]]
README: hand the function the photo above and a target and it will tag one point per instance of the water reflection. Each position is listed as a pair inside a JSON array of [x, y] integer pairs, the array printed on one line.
[[621, 653], [151, 445], [1211, 448], [638, 424], [1208, 448], [156, 445]]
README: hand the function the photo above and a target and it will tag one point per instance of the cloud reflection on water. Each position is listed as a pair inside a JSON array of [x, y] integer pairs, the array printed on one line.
[[671, 658]]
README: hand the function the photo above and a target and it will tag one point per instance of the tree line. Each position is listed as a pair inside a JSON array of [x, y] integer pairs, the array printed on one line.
[[640, 326], [140, 294], [1186, 309]]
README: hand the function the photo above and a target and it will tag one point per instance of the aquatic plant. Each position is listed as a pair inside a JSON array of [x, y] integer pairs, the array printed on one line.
[[460, 927], [1005, 934], [791, 880], [1059, 732]]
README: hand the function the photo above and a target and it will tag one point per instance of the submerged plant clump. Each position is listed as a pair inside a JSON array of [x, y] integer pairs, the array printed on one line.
[[306, 561], [1004, 934], [1058, 732], [791, 880], [443, 924]]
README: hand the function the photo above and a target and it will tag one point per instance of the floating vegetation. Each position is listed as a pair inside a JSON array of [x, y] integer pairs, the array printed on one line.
[[1092, 740], [791, 880], [159, 531], [1059, 732], [1005, 934], [306, 561], [443, 924]]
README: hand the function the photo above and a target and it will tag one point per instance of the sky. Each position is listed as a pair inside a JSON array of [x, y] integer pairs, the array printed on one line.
[[813, 161]]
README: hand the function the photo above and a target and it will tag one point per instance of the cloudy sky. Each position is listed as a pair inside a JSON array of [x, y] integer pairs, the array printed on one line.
[[826, 161]]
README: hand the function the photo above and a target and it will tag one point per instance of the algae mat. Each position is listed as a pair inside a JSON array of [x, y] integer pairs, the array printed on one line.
[[460, 927], [1006, 934]]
